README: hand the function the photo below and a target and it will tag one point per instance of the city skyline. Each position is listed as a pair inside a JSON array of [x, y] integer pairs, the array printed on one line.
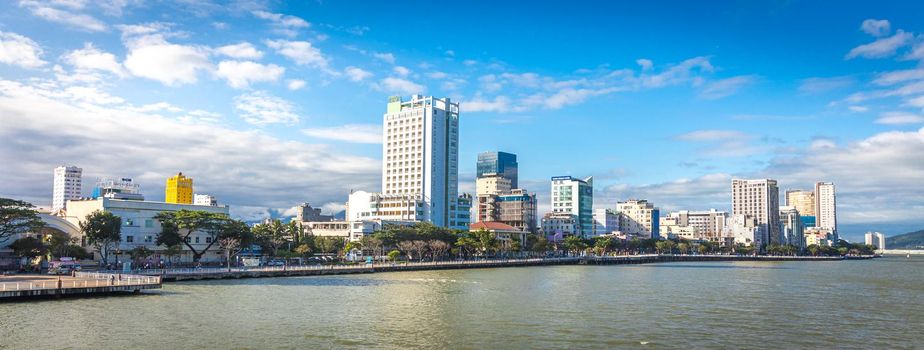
[[267, 118]]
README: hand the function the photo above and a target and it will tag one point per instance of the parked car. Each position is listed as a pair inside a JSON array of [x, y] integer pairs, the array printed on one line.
[[276, 262]]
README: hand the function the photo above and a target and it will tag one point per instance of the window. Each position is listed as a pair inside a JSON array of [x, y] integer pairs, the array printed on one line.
[[197, 239], [129, 239], [148, 223], [208, 239]]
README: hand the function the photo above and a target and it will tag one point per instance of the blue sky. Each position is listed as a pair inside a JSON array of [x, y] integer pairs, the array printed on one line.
[[268, 104]]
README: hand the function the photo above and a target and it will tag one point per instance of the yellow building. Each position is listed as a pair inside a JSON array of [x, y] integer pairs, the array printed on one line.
[[179, 190]]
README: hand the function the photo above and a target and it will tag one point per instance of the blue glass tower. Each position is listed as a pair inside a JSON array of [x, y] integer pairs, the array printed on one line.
[[500, 163]]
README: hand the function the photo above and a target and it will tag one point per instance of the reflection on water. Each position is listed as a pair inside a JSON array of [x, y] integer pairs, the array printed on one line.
[[849, 304]]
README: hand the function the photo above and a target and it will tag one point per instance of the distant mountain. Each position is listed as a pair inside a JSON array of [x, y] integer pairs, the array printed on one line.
[[910, 240]]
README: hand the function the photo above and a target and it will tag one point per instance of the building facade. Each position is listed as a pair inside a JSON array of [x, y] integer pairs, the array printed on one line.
[[876, 239], [517, 208], [205, 199], [304, 212], [639, 218], [746, 230], [502, 164], [122, 188], [709, 224], [556, 226], [759, 199], [140, 229], [492, 184], [792, 227], [420, 155], [576, 197], [826, 207], [179, 190], [606, 221], [67, 186], [364, 205]]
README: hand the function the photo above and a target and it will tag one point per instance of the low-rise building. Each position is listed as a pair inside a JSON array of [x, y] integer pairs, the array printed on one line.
[[606, 221], [140, 228], [671, 228], [204, 199], [364, 205], [516, 208], [304, 212], [745, 230], [503, 232], [556, 226]]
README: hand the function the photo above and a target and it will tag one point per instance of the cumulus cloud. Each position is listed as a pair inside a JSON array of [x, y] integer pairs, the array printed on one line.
[[356, 74], [91, 58], [243, 50], [385, 56], [295, 84], [644, 63], [875, 27], [402, 71], [256, 170], [21, 51], [301, 52], [356, 133], [283, 24], [882, 47], [240, 74], [261, 108], [400, 86], [151, 56]]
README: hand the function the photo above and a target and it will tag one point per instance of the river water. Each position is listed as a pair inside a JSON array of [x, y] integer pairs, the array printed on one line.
[[873, 304]]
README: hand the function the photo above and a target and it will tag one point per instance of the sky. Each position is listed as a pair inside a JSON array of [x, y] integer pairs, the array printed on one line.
[[268, 104]]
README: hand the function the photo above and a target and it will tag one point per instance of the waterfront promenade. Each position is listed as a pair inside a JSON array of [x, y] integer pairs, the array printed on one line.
[[82, 283], [172, 275]]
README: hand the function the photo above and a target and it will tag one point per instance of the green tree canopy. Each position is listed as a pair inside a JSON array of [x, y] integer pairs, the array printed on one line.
[[17, 217], [103, 231]]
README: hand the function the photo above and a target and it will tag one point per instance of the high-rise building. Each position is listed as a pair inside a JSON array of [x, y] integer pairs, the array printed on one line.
[[792, 228], [123, 188], [67, 186], [826, 207], [876, 239], [420, 155], [179, 189], [639, 218], [803, 201], [204, 199], [498, 163], [759, 199], [576, 197]]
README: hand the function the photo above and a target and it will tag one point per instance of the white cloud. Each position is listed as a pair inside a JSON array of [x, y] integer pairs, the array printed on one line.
[[402, 71], [712, 135], [257, 170], [882, 47], [820, 85], [151, 56], [645, 63], [875, 27], [725, 87], [899, 76], [356, 133], [21, 51], [437, 75], [91, 58], [64, 16], [243, 50], [858, 109], [895, 118], [240, 74], [295, 84], [92, 95], [301, 52], [400, 86], [260, 108], [498, 104], [283, 20], [156, 107], [356, 74], [385, 56]]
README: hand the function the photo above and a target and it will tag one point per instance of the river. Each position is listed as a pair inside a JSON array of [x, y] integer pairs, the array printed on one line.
[[845, 304]]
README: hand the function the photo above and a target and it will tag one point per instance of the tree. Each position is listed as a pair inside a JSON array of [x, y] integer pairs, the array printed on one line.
[[29, 247], [371, 242], [139, 253], [303, 249], [813, 249], [273, 235], [17, 217], [683, 247], [602, 245], [468, 245], [329, 244], [103, 231], [437, 248], [177, 228], [664, 246], [233, 235], [393, 255], [541, 244], [60, 244], [172, 252], [574, 244], [487, 241]]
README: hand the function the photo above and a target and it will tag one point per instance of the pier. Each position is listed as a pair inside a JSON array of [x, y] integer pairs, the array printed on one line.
[[82, 283]]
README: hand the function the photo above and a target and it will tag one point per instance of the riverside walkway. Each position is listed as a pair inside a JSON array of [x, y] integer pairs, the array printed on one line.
[[171, 275], [82, 283]]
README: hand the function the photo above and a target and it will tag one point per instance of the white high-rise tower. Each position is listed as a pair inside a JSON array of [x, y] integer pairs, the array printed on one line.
[[760, 200], [826, 207], [67, 186], [420, 156]]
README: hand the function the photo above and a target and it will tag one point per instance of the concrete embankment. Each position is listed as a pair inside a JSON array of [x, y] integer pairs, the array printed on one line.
[[221, 273], [82, 284]]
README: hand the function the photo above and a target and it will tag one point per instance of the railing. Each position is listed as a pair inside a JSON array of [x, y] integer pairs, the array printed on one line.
[[87, 280]]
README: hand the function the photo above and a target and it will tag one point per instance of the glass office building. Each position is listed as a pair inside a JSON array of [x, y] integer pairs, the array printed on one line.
[[500, 163]]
